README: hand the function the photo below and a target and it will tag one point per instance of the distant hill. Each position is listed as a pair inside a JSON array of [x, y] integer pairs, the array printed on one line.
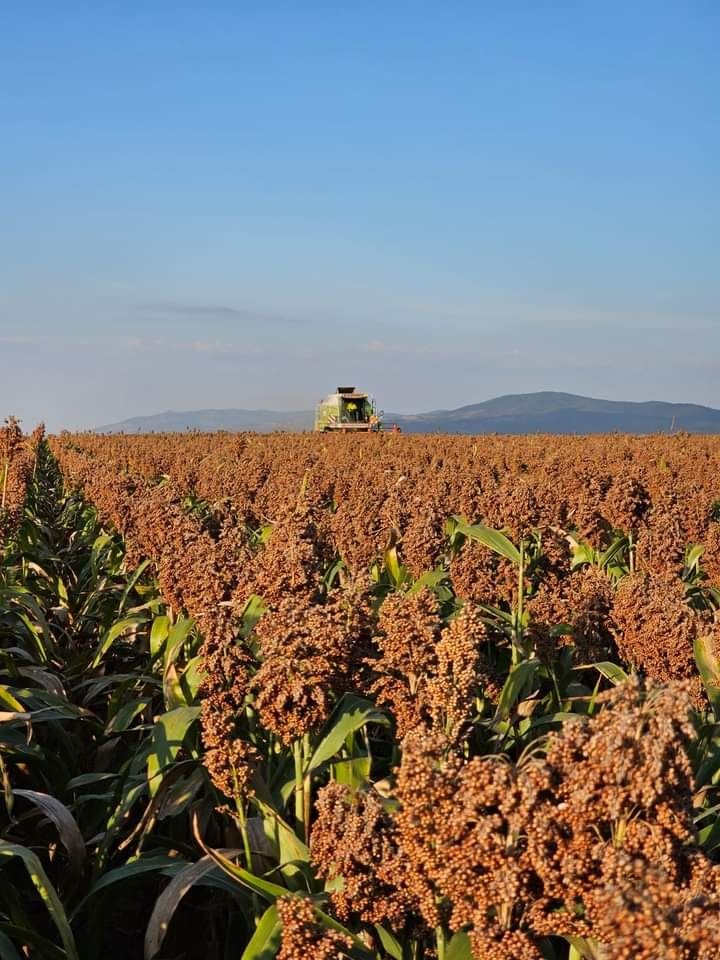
[[550, 412], [262, 421], [545, 412]]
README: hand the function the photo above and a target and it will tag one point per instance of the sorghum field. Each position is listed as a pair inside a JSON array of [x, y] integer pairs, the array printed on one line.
[[376, 697]]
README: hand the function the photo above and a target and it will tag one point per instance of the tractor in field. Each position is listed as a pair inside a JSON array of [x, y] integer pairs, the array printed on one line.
[[346, 411]]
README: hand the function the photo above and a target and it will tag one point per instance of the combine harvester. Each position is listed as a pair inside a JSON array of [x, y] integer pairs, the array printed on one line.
[[347, 411]]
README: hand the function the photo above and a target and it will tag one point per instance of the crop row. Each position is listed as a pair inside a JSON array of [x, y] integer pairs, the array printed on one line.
[[663, 489], [621, 533], [17, 461]]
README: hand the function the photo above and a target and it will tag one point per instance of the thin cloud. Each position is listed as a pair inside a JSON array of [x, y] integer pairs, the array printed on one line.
[[17, 341], [144, 343], [218, 347], [206, 347], [410, 349], [218, 312]]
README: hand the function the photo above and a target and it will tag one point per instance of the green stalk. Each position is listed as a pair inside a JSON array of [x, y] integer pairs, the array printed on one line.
[[518, 651], [242, 821], [440, 942], [307, 788], [299, 784]]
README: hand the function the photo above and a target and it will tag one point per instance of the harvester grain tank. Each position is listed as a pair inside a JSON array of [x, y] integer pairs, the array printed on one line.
[[346, 411]]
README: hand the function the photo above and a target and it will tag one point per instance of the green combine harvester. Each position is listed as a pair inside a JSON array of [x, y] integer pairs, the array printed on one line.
[[346, 411]]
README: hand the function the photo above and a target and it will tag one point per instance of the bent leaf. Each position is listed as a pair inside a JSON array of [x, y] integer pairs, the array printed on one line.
[[493, 539], [67, 828], [169, 900], [47, 892]]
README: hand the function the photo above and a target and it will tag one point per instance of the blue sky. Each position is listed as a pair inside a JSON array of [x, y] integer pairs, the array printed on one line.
[[242, 205]]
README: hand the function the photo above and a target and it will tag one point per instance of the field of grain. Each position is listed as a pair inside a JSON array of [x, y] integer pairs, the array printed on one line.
[[379, 697]]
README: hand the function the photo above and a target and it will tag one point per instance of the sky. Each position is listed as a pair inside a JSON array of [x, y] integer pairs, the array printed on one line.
[[245, 204]]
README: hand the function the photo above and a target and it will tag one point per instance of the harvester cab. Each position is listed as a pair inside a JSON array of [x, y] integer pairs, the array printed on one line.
[[346, 411]]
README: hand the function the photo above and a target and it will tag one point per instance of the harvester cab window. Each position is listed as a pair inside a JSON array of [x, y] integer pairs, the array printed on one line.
[[351, 411]]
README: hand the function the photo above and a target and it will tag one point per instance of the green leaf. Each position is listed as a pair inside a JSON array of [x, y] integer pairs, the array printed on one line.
[[27, 937], [176, 639], [611, 671], [167, 866], [39, 630], [115, 631], [493, 539], [173, 693], [132, 580], [358, 950], [332, 574], [67, 828], [253, 610], [390, 944], [350, 714], [693, 555], [393, 566], [98, 547], [459, 947], [615, 549], [167, 738], [270, 891], [9, 700], [559, 717], [191, 678], [707, 664], [122, 719], [432, 579], [51, 706], [293, 852], [353, 772], [7, 948], [587, 949], [517, 679], [159, 634], [88, 778], [118, 818], [179, 794], [582, 552], [169, 900], [265, 942], [46, 891], [709, 836]]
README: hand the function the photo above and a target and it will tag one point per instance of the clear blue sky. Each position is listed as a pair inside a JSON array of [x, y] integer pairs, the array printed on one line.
[[242, 205]]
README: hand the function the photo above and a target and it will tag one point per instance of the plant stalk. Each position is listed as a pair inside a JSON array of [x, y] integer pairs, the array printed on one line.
[[440, 942], [307, 787], [299, 785]]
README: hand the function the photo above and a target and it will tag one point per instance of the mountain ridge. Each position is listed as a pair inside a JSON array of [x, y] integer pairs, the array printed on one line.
[[540, 412]]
